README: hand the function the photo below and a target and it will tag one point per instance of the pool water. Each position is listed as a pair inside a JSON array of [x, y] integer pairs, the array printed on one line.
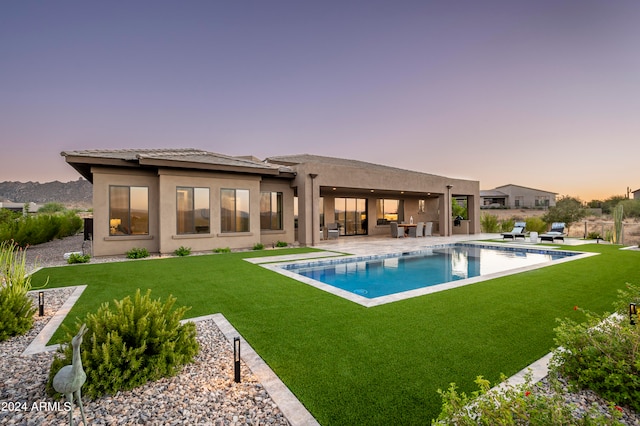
[[386, 275]]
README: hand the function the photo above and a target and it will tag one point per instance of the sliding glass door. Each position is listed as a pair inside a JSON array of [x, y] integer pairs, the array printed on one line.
[[351, 215]]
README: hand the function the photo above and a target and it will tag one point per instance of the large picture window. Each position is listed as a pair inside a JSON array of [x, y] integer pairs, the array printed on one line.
[[128, 210], [192, 210], [387, 211], [271, 210], [234, 210]]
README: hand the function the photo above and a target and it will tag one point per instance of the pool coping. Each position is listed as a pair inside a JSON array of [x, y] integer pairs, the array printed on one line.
[[382, 300]]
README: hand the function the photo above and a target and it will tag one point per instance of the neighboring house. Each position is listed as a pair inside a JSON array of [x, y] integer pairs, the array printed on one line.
[[166, 198], [19, 207], [515, 197], [636, 194]]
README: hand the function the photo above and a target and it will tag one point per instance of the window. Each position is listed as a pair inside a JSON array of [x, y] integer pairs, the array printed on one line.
[[421, 206], [128, 210], [234, 210], [192, 210], [271, 210], [387, 211], [542, 201]]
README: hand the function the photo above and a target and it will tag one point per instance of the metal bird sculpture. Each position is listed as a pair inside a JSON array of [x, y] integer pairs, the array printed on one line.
[[69, 380]]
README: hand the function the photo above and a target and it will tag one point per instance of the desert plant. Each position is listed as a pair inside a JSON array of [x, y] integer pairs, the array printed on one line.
[[137, 253], [618, 215], [182, 251], [222, 250], [78, 258], [52, 208], [507, 225], [31, 230], [602, 353], [519, 404], [16, 308], [489, 223], [258, 246], [536, 224], [136, 341], [567, 210], [281, 244], [593, 235]]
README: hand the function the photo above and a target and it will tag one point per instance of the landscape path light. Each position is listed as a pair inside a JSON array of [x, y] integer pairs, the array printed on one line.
[[41, 303], [236, 359], [633, 313]]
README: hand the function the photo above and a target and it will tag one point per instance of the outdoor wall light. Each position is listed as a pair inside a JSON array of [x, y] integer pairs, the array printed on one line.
[[633, 313], [41, 303], [236, 359]]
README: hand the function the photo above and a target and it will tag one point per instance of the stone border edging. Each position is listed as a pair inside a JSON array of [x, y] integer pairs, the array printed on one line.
[[39, 344], [291, 407]]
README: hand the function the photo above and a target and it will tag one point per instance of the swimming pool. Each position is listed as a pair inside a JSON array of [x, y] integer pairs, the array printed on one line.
[[374, 280]]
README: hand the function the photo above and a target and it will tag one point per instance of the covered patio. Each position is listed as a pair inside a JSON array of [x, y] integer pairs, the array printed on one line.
[[362, 199]]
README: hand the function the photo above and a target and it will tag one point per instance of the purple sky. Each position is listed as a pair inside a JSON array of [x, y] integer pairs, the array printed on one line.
[[544, 94]]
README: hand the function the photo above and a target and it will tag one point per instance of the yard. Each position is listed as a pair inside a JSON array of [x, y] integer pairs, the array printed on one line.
[[354, 365]]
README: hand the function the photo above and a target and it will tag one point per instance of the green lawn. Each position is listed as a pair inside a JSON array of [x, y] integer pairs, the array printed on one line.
[[382, 365]]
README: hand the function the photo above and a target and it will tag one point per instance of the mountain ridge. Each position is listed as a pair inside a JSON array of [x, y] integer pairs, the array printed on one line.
[[77, 193]]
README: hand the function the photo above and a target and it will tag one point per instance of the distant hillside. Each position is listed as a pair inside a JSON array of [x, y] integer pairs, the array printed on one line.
[[77, 193]]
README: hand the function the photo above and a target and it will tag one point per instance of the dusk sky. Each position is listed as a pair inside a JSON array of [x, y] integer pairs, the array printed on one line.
[[544, 94]]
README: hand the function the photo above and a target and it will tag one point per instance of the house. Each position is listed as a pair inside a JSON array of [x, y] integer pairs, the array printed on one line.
[[19, 207], [161, 199], [636, 194], [516, 197]]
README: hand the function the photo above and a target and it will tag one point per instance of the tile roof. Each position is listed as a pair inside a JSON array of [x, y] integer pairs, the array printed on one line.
[[310, 158], [188, 155]]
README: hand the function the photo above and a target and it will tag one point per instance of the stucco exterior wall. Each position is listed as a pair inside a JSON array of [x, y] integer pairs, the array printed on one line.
[[163, 237], [527, 196], [103, 243]]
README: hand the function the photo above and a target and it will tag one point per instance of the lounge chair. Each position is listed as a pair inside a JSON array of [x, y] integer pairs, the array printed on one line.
[[397, 231], [556, 233], [517, 231]]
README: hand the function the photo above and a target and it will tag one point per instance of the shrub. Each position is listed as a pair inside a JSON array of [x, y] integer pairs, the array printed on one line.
[[78, 258], [515, 404], [137, 341], [281, 244], [52, 208], [489, 223], [258, 246], [222, 250], [182, 251], [32, 230], [536, 224], [137, 253], [507, 225], [16, 308], [593, 235], [602, 353]]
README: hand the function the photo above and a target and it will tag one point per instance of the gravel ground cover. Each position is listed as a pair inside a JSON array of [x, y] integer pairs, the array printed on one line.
[[204, 393]]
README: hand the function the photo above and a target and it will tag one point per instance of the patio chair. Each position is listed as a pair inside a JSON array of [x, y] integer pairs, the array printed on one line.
[[517, 231], [397, 231], [417, 231], [556, 233], [333, 232], [428, 228]]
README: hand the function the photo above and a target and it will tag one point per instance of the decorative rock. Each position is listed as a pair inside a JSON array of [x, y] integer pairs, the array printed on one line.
[[203, 393]]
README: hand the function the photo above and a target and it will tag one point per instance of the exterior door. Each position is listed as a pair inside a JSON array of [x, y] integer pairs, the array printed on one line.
[[351, 215]]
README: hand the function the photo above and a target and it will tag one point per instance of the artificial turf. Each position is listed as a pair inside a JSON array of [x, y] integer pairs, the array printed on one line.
[[382, 365]]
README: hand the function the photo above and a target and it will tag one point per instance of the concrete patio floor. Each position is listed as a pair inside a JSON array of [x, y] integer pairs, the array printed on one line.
[[375, 245]]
